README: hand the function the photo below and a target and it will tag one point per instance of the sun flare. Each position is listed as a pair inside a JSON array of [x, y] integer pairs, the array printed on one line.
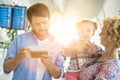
[[63, 28]]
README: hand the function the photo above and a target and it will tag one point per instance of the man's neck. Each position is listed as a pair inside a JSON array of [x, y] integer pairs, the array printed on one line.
[[42, 37]]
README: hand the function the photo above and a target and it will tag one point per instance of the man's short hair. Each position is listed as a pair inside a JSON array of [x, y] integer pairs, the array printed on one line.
[[38, 9]]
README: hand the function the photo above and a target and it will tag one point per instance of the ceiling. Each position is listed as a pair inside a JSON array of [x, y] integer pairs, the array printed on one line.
[[77, 9]]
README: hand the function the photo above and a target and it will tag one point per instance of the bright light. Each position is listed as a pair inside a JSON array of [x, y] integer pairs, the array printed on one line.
[[63, 28]]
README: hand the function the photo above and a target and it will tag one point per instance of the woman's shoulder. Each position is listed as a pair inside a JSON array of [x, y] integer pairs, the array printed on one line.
[[111, 64], [113, 61]]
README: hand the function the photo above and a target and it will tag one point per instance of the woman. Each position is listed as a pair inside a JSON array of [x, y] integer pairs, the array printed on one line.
[[107, 66]]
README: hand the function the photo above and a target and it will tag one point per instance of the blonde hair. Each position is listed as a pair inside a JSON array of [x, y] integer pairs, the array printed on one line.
[[87, 21], [112, 26]]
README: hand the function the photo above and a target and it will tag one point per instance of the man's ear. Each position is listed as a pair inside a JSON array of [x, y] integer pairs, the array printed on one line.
[[28, 26]]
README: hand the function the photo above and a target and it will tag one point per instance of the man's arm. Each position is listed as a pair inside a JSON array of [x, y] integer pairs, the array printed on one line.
[[54, 70], [12, 63]]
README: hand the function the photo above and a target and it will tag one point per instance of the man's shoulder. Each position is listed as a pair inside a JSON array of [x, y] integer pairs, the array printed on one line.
[[24, 35]]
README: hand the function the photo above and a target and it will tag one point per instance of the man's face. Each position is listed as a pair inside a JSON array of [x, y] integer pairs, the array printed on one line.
[[40, 25]]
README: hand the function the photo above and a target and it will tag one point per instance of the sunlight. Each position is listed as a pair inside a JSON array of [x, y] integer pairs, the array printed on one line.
[[63, 28]]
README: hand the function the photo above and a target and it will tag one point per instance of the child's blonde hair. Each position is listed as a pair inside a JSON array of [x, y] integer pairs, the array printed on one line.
[[87, 21]]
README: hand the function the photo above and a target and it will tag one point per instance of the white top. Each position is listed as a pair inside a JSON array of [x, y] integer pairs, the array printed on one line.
[[40, 67]]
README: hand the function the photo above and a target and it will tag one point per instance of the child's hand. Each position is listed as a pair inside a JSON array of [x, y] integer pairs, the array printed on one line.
[[94, 51]]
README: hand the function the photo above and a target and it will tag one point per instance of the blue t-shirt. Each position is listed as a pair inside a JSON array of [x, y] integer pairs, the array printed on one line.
[[27, 68]]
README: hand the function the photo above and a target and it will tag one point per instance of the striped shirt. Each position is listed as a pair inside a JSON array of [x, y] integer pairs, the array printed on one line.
[[77, 60]]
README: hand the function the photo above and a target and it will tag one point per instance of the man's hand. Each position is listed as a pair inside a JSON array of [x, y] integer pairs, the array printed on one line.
[[24, 52], [12, 63], [54, 70], [46, 60]]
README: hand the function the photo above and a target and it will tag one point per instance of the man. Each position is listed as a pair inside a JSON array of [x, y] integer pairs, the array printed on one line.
[[18, 58]]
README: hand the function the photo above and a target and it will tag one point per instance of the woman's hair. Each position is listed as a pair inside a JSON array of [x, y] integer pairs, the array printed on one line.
[[38, 9], [112, 26], [87, 21]]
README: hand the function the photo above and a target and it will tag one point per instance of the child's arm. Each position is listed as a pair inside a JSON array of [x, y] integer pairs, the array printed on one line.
[[73, 49]]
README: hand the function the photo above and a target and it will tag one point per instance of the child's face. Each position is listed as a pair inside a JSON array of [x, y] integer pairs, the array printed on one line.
[[86, 30]]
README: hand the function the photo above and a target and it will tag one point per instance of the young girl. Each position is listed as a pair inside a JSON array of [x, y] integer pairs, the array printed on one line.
[[81, 50]]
